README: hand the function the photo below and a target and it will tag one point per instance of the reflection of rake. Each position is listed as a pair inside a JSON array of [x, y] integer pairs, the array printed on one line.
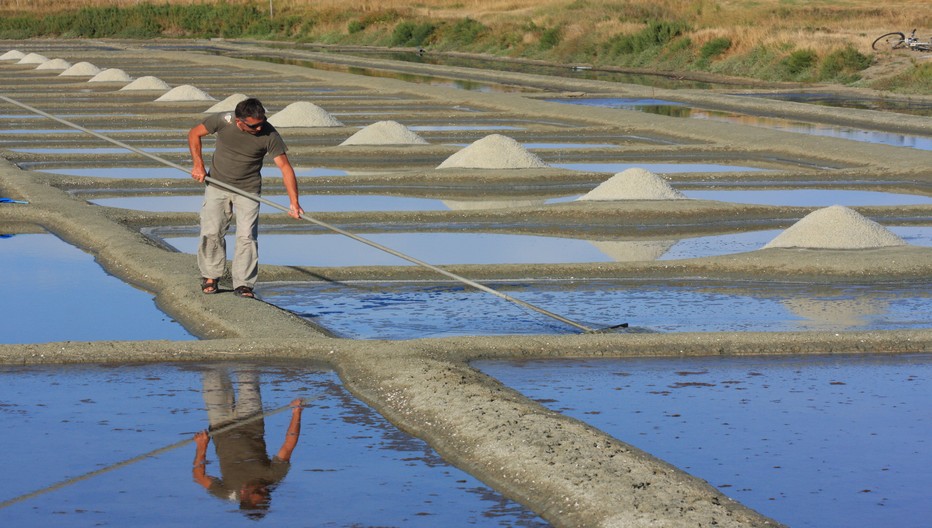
[[335, 229], [150, 454]]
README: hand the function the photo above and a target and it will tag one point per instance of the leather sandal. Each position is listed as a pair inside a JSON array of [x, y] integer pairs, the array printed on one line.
[[244, 291], [209, 286]]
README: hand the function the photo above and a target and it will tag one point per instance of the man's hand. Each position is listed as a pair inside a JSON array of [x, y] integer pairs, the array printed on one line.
[[295, 211], [199, 173], [201, 438]]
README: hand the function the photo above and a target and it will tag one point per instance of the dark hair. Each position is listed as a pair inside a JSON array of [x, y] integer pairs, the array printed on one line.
[[251, 107]]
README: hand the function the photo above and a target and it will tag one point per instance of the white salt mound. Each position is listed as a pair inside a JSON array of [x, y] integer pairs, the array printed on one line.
[[12, 55], [185, 92], [303, 114], [111, 75], [147, 83], [494, 151], [54, 64], [385, 133], [835, 227], [634, 184], [634, 250], [227, 105], [33, 58], [81, 69]]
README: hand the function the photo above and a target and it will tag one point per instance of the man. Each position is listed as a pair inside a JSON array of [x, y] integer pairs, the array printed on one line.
[[247, 474], [244, 138]]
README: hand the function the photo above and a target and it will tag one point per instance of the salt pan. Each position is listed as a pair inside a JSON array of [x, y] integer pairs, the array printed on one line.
[[385, 133], [303, 114], [494, 151], [634, 184], [835, 227]]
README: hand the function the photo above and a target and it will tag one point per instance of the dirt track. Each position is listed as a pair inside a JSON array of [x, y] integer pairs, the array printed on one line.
[[568, 472]]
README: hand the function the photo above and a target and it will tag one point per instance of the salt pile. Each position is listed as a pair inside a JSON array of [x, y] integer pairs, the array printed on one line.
[[54, 64], [33, 58], [81, 69], [227, 105], [303, 114], [12, 55], [633, 250], [494, 151], [147, 83], [111, 75], [385, 133], [634, 184], [186, 92], [835, 227]]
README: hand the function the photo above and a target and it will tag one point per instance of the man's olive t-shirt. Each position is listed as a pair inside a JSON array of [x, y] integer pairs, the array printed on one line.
[[238, 155]]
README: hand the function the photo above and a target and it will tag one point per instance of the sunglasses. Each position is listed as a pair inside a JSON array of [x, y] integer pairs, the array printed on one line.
[[253, 127]]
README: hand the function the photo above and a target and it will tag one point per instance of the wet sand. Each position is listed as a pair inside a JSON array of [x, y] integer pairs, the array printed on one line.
[[569, 473]]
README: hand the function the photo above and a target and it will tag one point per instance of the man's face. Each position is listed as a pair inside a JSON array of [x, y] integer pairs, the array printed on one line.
[[251, 125]]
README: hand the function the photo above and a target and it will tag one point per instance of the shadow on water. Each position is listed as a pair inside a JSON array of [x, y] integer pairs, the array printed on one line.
[[814, 442], [336, 458]]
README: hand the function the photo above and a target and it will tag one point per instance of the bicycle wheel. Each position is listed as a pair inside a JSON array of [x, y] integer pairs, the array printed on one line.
[[895, 40]]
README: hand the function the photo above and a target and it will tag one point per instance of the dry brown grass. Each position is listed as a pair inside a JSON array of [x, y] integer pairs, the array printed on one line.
[[814, 24]]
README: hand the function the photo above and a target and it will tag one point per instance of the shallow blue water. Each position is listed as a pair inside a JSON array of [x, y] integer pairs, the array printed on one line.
[[310, 202], [820, 442], [674, 109], [350, 467], [169, 172], [657, 168], [293, 249], [407, 310], [56, 292]]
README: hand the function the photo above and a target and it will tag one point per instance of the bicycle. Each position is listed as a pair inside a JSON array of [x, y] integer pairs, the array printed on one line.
[[897, 40]]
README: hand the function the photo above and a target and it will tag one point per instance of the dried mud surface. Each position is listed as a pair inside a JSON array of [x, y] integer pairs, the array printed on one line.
[[568, 472]]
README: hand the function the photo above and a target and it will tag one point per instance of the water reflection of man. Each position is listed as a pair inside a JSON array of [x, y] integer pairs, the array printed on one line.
[[248, 476]]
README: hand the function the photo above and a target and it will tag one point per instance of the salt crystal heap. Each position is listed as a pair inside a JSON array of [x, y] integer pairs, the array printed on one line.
[[385, 133], [111, 75], [33, 58], [634, 184], [634, 250], [81, 69], [835, 227], [147, 83], [185, 92], [12, 55], [303, 114], [494, 151], [227, 105], [54, 64]]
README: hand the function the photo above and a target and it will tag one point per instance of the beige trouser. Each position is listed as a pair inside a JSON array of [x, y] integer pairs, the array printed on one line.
[[224, 406], [216, 216]]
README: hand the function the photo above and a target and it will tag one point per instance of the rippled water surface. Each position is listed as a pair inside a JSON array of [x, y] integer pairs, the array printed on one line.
[[293, 249], [404, 310], [74, 435], [821, 442]]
